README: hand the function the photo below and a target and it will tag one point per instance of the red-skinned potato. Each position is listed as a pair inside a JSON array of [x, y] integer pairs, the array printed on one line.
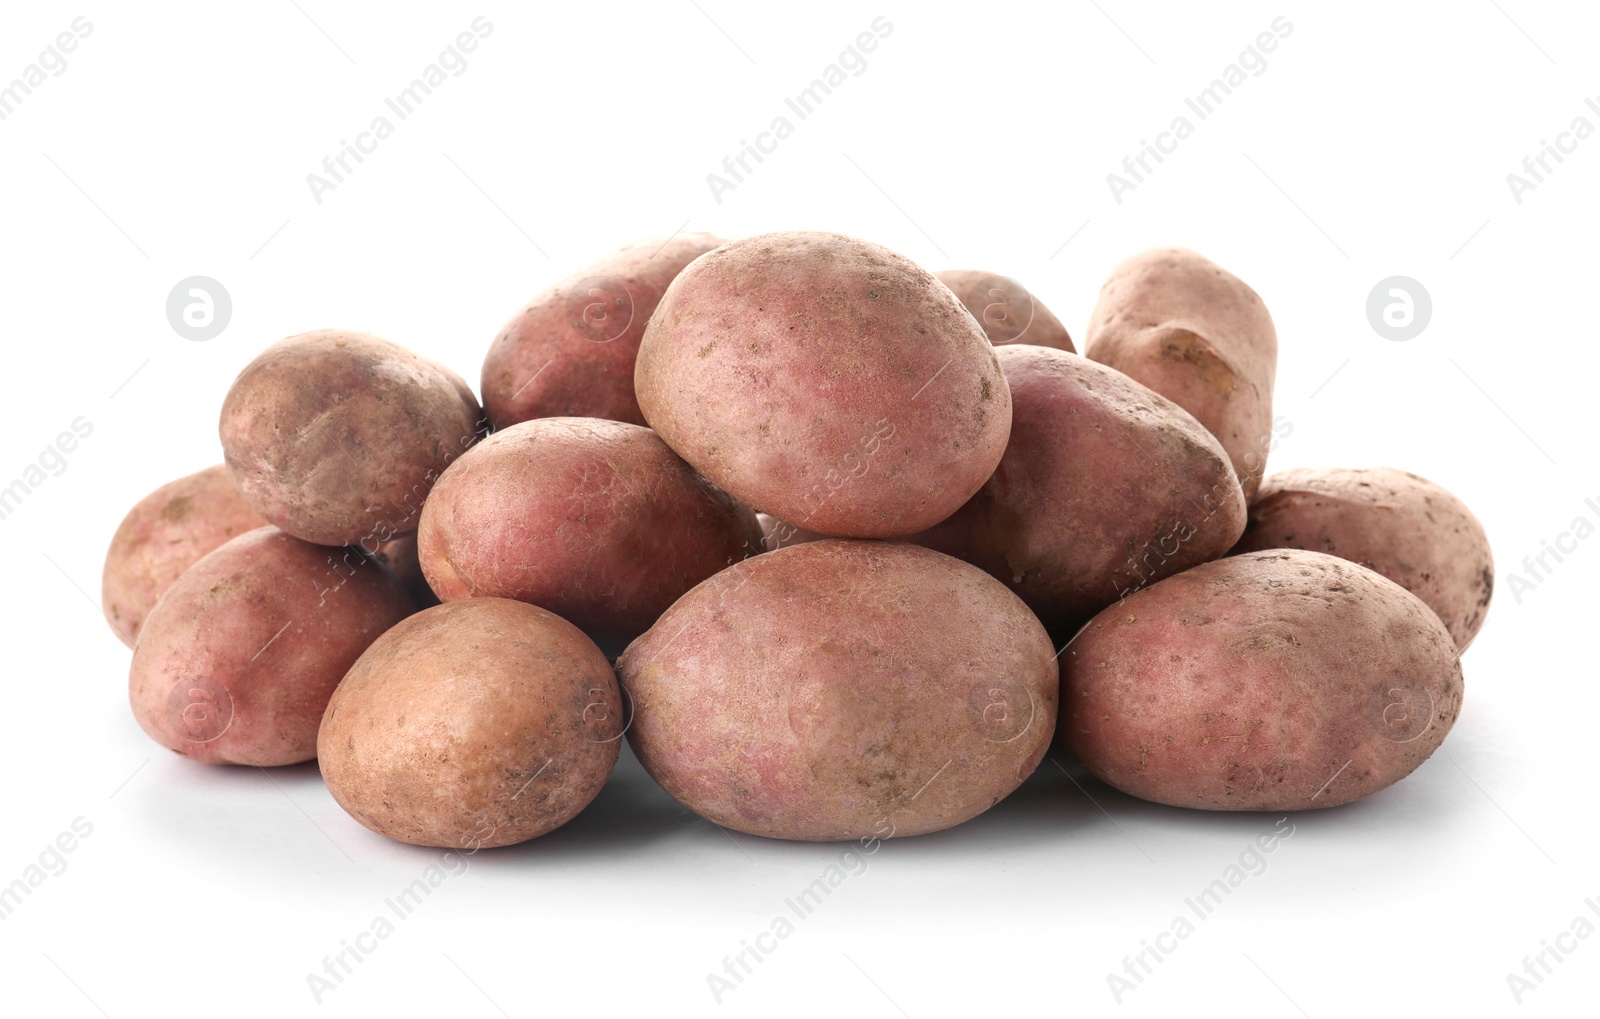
[[597, 521], [476, 723], [238, 659], [570, 352], [827, 381], [1282, 680], [1005, 309], [1106, 486], [336, 437], [1195, 333], [842, 690], [1397, 524], [164, 534]]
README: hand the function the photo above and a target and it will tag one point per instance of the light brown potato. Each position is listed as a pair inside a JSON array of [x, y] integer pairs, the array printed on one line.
[[164, 534], [1398, 524], [597, 521], [827, 381], [1283, 680], [1105, 488], [336, 437], [238, 659], [570, 352], [1005, 309], [1196, 334], [473, 724], [842, 690]]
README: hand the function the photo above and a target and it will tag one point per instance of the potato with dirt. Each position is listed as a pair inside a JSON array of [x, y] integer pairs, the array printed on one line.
[[1005, 309], [164, 534], [571, 351], [473, 724], [1198, 335], [1281, 680], [1105, 488], [597, 521], [237, 660], [842, 690], [827, 381], [337, 437], [1398, 524]]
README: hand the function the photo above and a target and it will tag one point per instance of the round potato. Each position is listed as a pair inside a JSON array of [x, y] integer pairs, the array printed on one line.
[[597, 521], [336, 437], [1105, 487], [164, 534], [1397, 524], [827, 381], [1283, 680], [238, 659], [1005, 309], [1196, 334], [476, 723], [842, 690], [570, 352]]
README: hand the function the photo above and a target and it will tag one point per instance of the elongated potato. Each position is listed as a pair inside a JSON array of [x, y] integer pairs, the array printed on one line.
[[1398, 524], [1196, 334], [1282, 680], [597, 521], [238, 659], [1105, 487], [476, 723], [570, 352], [827, 381], [1005, 309], [336, 437], [164, 534], [842, 690]]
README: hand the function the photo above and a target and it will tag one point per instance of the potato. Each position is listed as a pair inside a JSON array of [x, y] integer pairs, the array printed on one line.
[[1397, 524], [398, 557], [237, 660], [597, 521], [842, 690], [164, 534], [336, 437], [1283, 680], [1005, 309], [826, 381], [570, 352], [1196, 334], [1105, 487], [476, 723]]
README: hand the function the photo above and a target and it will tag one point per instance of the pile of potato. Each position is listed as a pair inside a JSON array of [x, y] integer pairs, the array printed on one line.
[[840, 546]]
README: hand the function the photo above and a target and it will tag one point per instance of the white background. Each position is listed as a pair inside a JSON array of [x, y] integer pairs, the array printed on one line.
[[1376, 142]]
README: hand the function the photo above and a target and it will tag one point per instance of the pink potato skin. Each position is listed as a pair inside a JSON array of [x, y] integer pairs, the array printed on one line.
[[474, 724], [571, 351], [237, 661], [1394, 523], [1105, 487], [826, 381], [336, 437], [842, 690], [597, 521], [1006, 310], [164, 534], [1195, 333], [1282, 680]]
